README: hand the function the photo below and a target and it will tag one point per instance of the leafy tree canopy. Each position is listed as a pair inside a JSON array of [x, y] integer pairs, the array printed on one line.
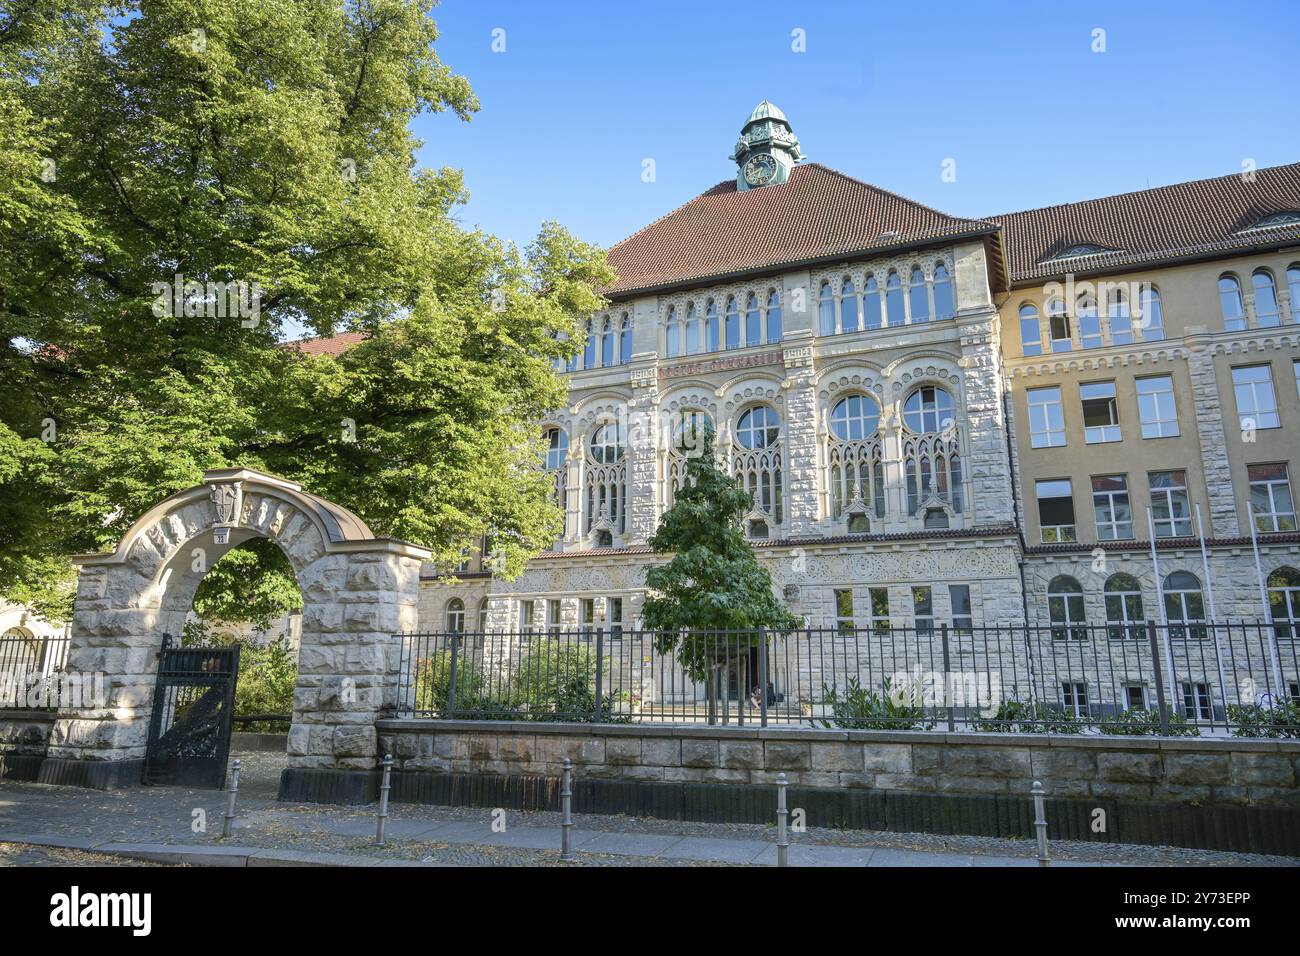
[[713, 581], [253, 582], [262, 142]]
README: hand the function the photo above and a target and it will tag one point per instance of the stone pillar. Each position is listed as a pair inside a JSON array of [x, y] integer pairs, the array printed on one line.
[[643, 454], [987, 472], [800, 440], [1211, 426]]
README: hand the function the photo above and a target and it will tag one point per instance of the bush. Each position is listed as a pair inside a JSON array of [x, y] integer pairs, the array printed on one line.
[[1255, 720], [1141, 722], [268, 674], [557, 681], [864, 709], [433, 685], [1026, 717]]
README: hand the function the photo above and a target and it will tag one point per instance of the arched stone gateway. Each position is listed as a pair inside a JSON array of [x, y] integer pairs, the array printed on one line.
[[358, 591]]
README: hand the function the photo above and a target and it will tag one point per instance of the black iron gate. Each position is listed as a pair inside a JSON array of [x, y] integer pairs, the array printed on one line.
[[189, 732]]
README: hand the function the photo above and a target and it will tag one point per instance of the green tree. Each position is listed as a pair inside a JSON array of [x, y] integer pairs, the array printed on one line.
[[253, 582], [713, 581], [268, 144]]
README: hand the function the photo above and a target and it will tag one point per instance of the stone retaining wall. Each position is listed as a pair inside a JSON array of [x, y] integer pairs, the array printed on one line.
[[24, 738]]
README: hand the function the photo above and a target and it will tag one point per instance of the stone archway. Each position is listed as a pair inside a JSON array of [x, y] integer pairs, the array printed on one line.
[[358, 592]]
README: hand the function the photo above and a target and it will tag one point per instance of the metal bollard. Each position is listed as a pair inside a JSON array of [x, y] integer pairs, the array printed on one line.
[[384, 786], [1040, 823], [566, 808], [230, 804], [782, 815]]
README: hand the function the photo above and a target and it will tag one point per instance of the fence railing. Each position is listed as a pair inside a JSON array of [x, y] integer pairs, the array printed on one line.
[[1240, 678], [29, 668]]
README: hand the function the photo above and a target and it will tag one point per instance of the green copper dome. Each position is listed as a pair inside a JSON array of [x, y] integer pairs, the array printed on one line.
[[767, 148], [767, 110]]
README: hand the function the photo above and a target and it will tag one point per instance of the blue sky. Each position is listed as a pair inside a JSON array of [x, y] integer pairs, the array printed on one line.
[[1013, 92]]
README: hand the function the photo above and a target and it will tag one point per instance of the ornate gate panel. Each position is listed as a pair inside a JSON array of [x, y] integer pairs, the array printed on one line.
[[189, 732]]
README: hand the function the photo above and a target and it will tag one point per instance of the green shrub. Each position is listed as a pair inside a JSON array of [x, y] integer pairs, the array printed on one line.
[[557, 681], [1141, 722], [433, 686], [1255, 720], [863, 709], [1026, 717]]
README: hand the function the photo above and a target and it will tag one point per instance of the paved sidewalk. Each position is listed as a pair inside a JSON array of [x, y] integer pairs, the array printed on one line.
[[178, 825]]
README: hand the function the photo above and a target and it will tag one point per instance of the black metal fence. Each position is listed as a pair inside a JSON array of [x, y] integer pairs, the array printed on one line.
[[1240, 678], [29, 668]]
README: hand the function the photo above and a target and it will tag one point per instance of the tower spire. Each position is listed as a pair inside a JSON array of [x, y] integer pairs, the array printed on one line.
[[767, 149]]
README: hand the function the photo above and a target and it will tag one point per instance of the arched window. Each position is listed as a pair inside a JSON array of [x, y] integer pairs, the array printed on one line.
[[482, 616], [692, 330], [687, 442], [753, 322], [605, 479], [1151, 321], [589, 353], [757, 466], [1031, 333], [1120, 320], [855, 462], [1065, 609], [895, 309], [1267, 312], [1234, 313], [1293, 283], [928, 409], [455, 616], [608, 337], [945, 305], [1284, 602], [1123, 607], [871, 315], [625, 340], [1089, 322], [918, 296], [674, 333], [1184, 604], [848, 306], [826, 309], [557, 463], [773, 316], [711, 326], [733, 324], [932, 461]]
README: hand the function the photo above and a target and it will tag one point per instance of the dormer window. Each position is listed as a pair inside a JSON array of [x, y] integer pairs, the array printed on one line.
[[1277, 220], [1081, 250]]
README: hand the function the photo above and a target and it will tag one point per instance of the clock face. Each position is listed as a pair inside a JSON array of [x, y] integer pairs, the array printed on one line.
[[760, 169]]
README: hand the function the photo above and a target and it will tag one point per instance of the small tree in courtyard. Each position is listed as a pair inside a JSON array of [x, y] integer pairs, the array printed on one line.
[[714, 580]]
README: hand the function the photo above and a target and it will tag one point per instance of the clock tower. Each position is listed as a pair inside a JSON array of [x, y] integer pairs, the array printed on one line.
[[767, 148]]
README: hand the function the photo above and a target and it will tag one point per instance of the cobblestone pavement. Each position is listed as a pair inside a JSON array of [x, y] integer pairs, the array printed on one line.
[[181, 816]]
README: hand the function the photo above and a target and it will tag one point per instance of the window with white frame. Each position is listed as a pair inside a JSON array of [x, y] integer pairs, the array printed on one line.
[[1270, 497], [1089, 322], [1256, 400], [554, 619], [923, 609], [895, 307], [844, 610], [855, 460], [455, 616], [959, 602], [757, 464], [848, 305], [873, 315], [731, 324], [1171, 511], [1046, 417], [1055, 510], [528, 616], [945, 305], [1284, 602], [1119, 316], [688, 441], [1231, 304], [557, 461], [1065, 609], [1074, 698], [1031, 333], [1151, 320], [1100, 412], [483, 616], [1123, 599], [773, 317], [1156, 406], [614, 608], [1197, 703], [1135, 696], [1184, 605], [1267, 312], [879, 609], [753, 322], [1293, 284], [1111, 507], [918, 293], [1058, 325]]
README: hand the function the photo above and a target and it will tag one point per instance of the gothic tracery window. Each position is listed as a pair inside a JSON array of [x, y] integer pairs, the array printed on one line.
[[757, 463], [932, 455], [687, 442], [855, 462], [605, 479]]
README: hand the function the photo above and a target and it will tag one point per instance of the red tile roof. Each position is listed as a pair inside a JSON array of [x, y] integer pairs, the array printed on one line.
[[1204, 218], [327, 344], [820, 214]]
